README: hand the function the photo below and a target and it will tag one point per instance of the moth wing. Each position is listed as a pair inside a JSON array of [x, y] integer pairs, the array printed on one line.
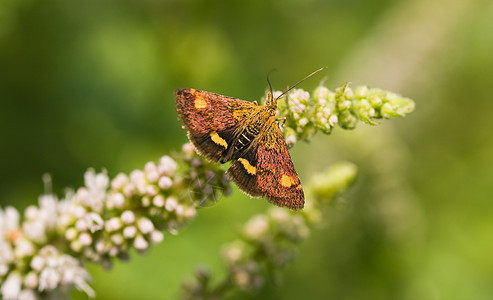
[[210, 119], [266, 170], [276, 176], [243, 172]]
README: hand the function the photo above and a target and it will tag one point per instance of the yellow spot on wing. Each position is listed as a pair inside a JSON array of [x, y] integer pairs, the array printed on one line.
[[287, 181], [248, 167], [218, 140], [200, 102]]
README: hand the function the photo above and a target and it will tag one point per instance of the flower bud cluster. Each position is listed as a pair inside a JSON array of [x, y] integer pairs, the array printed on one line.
[[29, 265], [305, 113], [204, 180], [268, 241], [273, 236], [101, 220]]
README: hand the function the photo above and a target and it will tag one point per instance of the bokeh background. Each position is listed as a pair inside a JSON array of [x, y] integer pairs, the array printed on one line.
[[90, 84]]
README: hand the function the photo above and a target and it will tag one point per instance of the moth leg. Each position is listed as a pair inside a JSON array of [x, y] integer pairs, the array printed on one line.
[[283, 119]]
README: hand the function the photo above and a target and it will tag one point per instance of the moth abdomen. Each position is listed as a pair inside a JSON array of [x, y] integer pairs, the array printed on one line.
[[244, 140]]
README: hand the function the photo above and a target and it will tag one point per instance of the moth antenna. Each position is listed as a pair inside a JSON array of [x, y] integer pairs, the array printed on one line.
[[305, 78], [268, 80]]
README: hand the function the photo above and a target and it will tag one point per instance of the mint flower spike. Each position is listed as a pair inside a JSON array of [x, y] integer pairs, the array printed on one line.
[[268, 242], [45, 252], [324, 109], [338, 177]]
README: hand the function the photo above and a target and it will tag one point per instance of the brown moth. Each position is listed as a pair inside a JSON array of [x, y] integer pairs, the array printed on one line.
[[228, 129]]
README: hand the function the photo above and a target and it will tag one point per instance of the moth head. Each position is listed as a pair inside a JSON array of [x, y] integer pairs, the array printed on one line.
[[271, 101]]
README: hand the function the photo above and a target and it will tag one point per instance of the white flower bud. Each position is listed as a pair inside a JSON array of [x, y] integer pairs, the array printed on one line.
[[129, 232], [91, 254], [165, 182], [81, 225], [150, 167], [232, 253], [242, 279], [152, 176], [85, 239], [31, 280], [188, 148], [145, 225], [65, 220], [140, 243], [113, 251], [117, 239], [95, 221], [291, 139], [333, 119], [171, 204], [190, 212], [128, 217], [361, 92], [35, 230], [83, 195], [76, 246], [256, 227], [167, 166], [151, 190], [157, 236], [79, 211], [10, 219], [118, 200], [348, 93], [119, 181], [129, 190], [152, 172], [11, 287], [31, 212], [49, 279], [100, 182], [37, 263], [280, 215], [113, 224], [158, 200], [179, 210], [146, 202], [28, 295], [137, 176], [3, 269], [23, 248], [303, 121], [321, 92], [100, 246]]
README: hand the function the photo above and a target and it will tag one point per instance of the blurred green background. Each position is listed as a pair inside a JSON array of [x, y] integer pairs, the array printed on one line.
[[90, 84]]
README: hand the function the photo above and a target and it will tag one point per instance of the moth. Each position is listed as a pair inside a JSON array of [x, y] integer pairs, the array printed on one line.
[[224, 129]]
